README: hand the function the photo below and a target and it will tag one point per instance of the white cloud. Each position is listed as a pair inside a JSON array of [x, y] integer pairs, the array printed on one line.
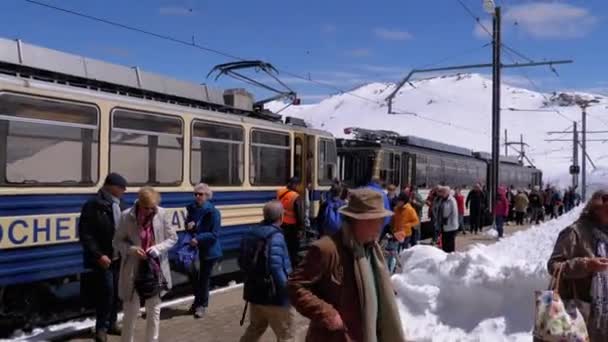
[[176, 10], [552, 20], [360, 52], [390, 34]]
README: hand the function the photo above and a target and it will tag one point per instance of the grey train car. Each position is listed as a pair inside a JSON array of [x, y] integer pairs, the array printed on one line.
[[409, 160]]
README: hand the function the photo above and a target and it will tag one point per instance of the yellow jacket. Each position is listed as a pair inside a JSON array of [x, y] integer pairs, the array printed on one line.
[[404, 220]]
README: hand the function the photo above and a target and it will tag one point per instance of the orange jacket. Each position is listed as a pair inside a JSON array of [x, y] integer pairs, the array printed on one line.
[[403, 222], [288, 200]]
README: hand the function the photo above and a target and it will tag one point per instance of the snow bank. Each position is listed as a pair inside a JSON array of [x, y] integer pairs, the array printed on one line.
[[484, 294]]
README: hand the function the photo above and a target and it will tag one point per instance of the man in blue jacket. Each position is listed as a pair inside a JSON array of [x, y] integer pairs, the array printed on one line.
[[265, 260], [376, 186], [204, 222]]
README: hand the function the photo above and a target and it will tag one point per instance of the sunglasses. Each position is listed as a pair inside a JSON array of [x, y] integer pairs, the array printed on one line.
[[605, 198], [199, 194]]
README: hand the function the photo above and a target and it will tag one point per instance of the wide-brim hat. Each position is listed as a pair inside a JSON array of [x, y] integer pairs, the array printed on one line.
[[365, 204]]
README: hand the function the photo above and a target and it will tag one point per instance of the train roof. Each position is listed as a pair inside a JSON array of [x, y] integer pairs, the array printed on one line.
[[433, 145], [503, 159], [39, 63]]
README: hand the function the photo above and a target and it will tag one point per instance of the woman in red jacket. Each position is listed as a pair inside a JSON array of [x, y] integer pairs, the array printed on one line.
[[460, 202], [501, 211]]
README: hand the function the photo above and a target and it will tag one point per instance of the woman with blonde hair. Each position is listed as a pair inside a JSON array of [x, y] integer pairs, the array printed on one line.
[[581, 254], [203, 222], [144, 236]]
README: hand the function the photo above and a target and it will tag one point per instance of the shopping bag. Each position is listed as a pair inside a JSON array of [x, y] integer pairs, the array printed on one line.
[[556, 320]]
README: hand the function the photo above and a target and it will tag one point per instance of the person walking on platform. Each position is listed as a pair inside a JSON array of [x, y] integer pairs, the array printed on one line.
[[447, 215], [460, 202], [205, 221], [536, 205], [376, 185], [342, 285], [501, 211], [293, 217], [521, 206], [417, 202], [475, 202], [144, 236], [264, 259], [329, 218], [99, 218], [581, 256]]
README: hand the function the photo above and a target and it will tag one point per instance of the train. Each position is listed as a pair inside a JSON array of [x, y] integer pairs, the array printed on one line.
[[423, 163], [66, 121]]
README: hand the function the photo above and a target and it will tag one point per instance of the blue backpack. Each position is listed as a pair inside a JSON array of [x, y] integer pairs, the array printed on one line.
[[332, 221], [182, 256]]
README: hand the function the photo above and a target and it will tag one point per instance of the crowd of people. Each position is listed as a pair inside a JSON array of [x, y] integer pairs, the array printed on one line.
[[342, 284]]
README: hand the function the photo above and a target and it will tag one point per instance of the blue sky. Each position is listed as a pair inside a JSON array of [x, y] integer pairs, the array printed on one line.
[[339, 42]]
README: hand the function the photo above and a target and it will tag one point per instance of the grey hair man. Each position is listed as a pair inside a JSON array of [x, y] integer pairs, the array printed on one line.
[[264, 258]]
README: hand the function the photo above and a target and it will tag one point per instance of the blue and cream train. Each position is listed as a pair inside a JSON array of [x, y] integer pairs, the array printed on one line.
[[66, 121]]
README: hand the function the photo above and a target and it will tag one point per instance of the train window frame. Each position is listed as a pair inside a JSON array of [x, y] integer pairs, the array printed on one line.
[[150, 113], [323, 164], [95, 169], [242, 162], [252, 165]]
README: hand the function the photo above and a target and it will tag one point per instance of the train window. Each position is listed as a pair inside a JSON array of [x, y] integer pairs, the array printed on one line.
[[327, 161], [47, 142], [146, 148], [270, 158], [421, 171], [217, 154], [389, 172]]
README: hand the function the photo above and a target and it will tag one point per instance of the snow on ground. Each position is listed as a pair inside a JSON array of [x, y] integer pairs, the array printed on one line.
[[484, 294], [463, 101]]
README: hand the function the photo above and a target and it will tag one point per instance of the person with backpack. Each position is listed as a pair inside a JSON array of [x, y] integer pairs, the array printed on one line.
[[329, 218], [264, 259], [204, 222], [143, 238]]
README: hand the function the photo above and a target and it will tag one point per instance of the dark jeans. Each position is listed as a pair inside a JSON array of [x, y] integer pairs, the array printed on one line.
[[415, 235], [292, 239], [475, 218], [106, 296], [200, 278], [519, 218], [448, 241], [500, 222]]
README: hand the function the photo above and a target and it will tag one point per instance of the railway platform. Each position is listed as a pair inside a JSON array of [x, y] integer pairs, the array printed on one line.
[[221, 323]]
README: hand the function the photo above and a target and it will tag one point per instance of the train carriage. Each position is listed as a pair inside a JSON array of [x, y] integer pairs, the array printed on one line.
[[408, 160], [67, 121]]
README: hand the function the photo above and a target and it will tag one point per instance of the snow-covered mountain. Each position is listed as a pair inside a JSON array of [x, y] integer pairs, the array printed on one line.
[[456, 109]]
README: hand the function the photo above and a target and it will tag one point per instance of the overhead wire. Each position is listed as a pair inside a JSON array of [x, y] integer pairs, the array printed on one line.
[[232, 56]]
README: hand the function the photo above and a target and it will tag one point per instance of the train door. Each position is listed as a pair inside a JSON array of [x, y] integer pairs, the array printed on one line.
[[304, 160], [408, 169]]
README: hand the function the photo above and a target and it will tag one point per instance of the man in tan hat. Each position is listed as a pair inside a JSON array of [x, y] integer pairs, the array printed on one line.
[[343, 285]]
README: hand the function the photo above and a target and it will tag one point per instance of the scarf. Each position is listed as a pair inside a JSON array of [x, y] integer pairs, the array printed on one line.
[[599, 284], [146, 230], [381, 320]]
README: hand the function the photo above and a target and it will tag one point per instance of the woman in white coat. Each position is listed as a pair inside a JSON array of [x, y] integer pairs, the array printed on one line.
[[144, 233]]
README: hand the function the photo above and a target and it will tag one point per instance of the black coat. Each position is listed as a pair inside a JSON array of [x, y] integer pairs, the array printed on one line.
[[476, 201], [96, 228]]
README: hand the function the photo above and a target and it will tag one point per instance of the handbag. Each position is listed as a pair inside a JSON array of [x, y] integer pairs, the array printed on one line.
[[557, 320], [149, 281]]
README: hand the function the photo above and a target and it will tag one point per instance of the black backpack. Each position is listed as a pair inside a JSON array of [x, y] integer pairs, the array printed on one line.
[[254, 261]]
